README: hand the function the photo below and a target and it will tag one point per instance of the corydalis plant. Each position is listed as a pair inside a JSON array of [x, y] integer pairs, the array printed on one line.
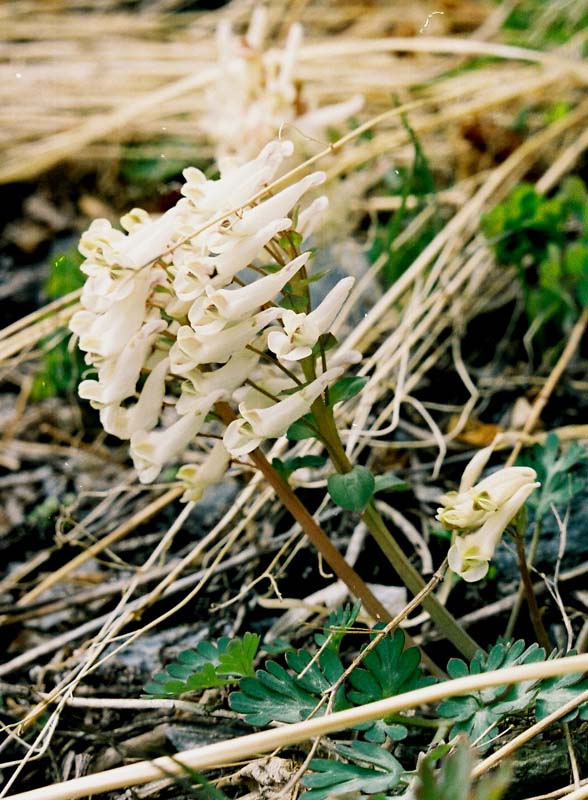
[[184, 312], [479, 513], [264, 92]]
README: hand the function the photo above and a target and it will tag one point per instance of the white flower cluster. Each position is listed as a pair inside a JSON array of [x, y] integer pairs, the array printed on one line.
[[481, 513], [173, 322], [263, 93]]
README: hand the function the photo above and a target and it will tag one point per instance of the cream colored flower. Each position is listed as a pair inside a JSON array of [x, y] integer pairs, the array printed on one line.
[[197, 478], [479, 513], [244, 435], [302, 331], [470, 555]]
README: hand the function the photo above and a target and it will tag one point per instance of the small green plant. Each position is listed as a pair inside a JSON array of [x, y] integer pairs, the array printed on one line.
[[210, 664], [61, 366], [546, 239], [453, 781], [561, 473], [416, 182], [369, 770], [477, 714]]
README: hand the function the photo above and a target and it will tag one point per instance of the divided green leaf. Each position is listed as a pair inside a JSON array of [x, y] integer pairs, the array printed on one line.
[[345, 389], [478, 713], [369, 770], [386, 671], [286, 468], [277, 695], [209, 665]]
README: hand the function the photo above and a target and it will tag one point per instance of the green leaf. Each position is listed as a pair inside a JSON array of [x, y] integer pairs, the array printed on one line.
[[386, 671], [369, 770], [557, 691], [345, 389], [303, 428], [477, 712], [353, 490], [286, 468], [279, 695], [208, 665], [337, 625], [65, 275], [453, 780], [389, 482]]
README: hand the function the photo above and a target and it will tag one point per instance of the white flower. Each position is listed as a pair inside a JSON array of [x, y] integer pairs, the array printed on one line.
[[226, 378], [144, 414], [197, 478], [244, 435], [212, 344], [117, 377], [470, 555], [150, 450], [302, 331], [276, 207], [483, 511], [106, 334], [234, 304]]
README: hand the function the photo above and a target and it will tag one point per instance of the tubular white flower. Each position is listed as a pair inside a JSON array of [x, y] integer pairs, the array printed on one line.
[[234, 304], [244, 435], [148, 240], [144, 414], [277, 206], [226, 378], [202, 346], [301, 331], [197, 478], [106, 334], [311, 217], [473, 507], [315, 121], [117, 377], [150, 450], [470, 555]]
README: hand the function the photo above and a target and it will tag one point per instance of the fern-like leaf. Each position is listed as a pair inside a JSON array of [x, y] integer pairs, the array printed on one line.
[[209, 665]]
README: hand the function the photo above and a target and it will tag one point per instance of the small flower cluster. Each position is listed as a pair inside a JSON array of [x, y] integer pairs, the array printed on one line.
[[181, 313], [480, 513], [264, 95]]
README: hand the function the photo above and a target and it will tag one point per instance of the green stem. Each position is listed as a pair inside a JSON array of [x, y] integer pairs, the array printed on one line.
[[411, 578], [534, 611]]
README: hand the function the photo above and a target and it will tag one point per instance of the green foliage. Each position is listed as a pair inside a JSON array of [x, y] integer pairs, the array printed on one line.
[[418, 183], [477, 713], [353, 490], [546, 239], [210, 664], [555, 692], [65, 275], [386, 671], [61, 367], [303, 428], [286, 468], [389, 482], [369, 770], [537, 24], [345, 389], [276, 694], [453, 780], [559, 473], [149, 171], [337, 625]]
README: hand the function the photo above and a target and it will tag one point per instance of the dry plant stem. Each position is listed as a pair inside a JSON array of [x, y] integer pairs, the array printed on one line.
[[391, 549], [137, 519], [226, 752], [527, 583]]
